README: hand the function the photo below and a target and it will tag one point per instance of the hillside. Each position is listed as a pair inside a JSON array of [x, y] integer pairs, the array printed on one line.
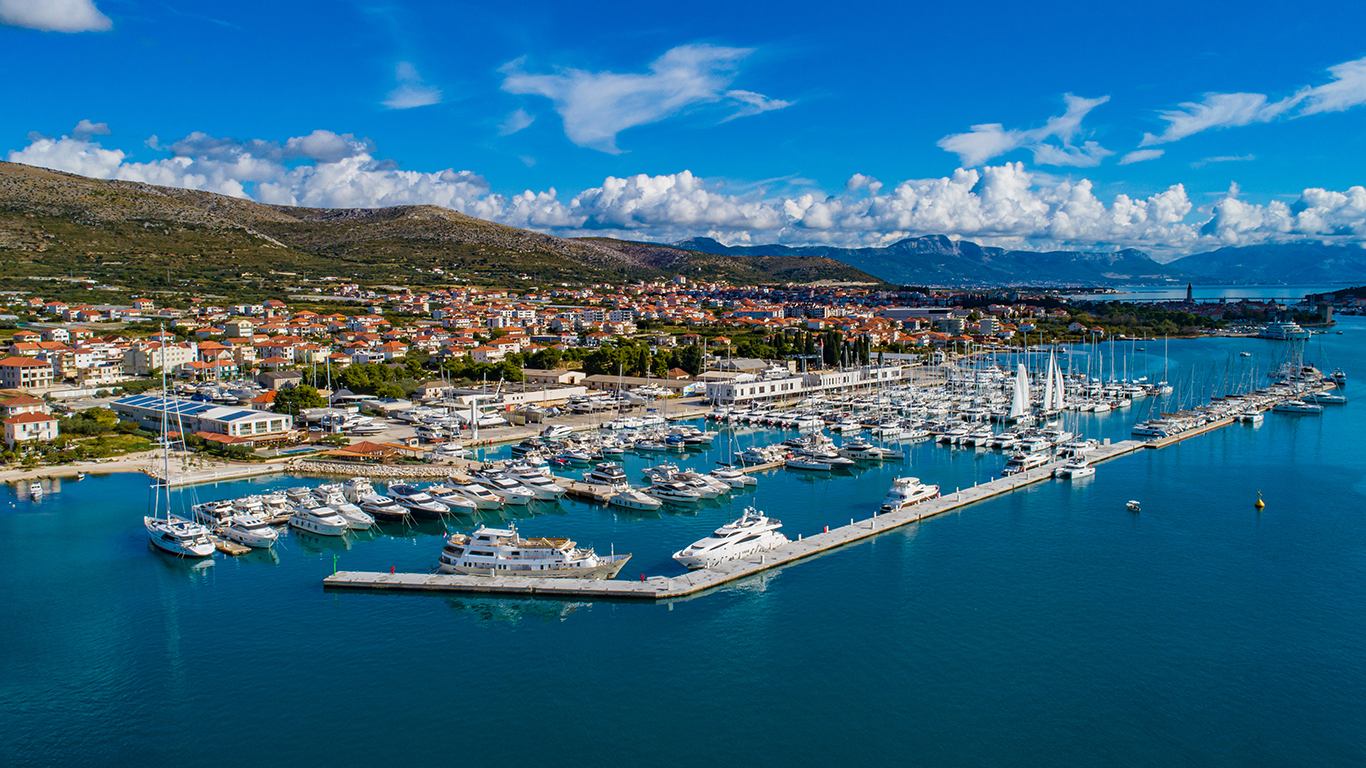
[[1279, 263], [144, 237], [938, 260]]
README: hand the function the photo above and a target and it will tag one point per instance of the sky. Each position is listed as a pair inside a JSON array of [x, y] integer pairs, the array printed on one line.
[[1171, 127]]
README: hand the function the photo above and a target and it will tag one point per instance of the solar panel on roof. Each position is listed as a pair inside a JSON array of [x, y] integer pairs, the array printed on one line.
[[238, 415]]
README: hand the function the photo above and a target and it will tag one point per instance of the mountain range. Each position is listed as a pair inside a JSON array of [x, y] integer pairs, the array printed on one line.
[[939, 260]]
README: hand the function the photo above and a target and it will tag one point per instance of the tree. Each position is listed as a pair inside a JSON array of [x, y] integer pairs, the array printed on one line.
[[297, 398], [547, 359], [690, 359]]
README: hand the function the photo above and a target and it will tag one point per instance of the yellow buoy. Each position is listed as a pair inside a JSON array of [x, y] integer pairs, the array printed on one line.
[[1260, 504]]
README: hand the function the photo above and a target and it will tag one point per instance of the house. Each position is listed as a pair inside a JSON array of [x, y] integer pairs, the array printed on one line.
[[543, 376], [17, 404], [25, 373], [30, 427]]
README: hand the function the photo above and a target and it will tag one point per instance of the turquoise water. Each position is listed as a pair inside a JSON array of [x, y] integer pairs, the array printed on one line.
[[1045, 627], [1213, 292]]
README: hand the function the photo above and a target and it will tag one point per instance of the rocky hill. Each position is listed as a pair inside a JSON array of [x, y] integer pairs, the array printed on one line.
[[141, 236]]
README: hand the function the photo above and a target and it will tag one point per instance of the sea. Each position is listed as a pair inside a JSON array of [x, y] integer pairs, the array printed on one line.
[[1049, 626], [1212, 293]]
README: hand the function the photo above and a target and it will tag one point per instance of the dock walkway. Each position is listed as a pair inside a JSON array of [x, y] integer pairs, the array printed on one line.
[[693, 582]]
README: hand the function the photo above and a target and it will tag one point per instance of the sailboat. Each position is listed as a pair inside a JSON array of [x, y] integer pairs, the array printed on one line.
[[1019, 403], [172, 534]]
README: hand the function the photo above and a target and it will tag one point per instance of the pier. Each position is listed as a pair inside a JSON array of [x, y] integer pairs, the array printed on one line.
[[693, 582]]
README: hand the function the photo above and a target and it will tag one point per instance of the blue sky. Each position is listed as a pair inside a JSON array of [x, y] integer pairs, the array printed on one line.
[[745, 121]]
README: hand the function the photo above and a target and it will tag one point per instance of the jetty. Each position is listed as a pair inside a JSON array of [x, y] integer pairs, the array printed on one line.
[[693, 582]]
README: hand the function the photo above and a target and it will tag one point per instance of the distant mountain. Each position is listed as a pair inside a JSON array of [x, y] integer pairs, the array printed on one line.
[[57, 226], [938, 260], [1280, 263]]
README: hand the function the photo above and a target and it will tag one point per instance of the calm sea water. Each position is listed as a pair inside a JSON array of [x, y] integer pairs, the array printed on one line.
[[1042, 628], [1214, 292]]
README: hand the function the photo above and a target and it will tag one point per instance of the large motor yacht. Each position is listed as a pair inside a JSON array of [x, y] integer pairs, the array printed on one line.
[[250, 530], [359, 492], [417, 501], [507, 489], [750, 534], [503, 552], [322, 520], [907, 492], [607, 473]]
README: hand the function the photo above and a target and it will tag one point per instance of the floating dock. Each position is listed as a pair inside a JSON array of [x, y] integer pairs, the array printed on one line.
[[693, 582]]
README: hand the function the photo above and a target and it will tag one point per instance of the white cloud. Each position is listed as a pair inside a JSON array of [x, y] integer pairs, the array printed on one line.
[[1141, 156], [985, 141], [1204, 161], [596, 106], [411, 91], [1346, 89], [86, 128], [517, 120], [1003, 204], [54, 15], [1216, 110]]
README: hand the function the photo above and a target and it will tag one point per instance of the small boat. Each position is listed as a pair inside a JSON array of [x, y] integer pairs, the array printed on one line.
[[453, 501], [507, 489], [1132, 505], [35, 490], [331, 495], [751, 534], [419, 503], [482, 497], [734, 477], [359, 492], [807, 464], [1245, 354]]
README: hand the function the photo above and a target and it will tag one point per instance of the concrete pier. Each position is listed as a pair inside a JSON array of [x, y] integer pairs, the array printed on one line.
[[663, 588]]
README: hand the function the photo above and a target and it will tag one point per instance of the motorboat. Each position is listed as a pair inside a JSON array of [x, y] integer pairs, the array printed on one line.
[[633, 498], [710, 487], [749, 535], [537, 480], [482, 497], [453, 501], [250, 530], [1254, 418], [1023, 462], [734, 477], [678, 493], [503, 552], [213, 514], [507, 489], [556, 432], [321, 519], [358, 491], [859, 449], [907, 492], [607, 473], [1075, 468], [1298, 407], [357, 519], [418, 502]]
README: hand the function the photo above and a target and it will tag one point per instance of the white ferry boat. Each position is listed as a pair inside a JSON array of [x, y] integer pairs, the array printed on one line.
[[1283, 331], [749, 535], [502, 552], [907, 492]]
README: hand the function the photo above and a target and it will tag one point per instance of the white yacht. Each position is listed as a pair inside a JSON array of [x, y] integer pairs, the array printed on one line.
[[751, 534], [331, 495], [556, 432], [805, 463], [669, 491], [1297, 407], [213, 514], [1075, 468], [627, 497], [482, 497], [734, 477], [275, 508], [178, 536], [418, 502], [322, 520], [537, 480], [507, 489], [1023, 462], [607, 473], [359, 492], [503, 552], [859, 449], [907, 492], [251, 531], [453, 501], [710, 487]]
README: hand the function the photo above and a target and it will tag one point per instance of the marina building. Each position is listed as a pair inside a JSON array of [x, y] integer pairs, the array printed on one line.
[[244, 424], [781, 387]]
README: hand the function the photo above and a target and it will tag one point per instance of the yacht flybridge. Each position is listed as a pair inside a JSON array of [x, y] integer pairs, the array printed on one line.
[[751, 534], [503, 552]]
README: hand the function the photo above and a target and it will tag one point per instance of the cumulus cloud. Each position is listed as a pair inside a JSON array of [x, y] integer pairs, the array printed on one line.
[[54, 15], [1002, 204], [596, 106], [410, 91], [1141, 156], [1051, 143], [1346, 89], [517, 120]]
